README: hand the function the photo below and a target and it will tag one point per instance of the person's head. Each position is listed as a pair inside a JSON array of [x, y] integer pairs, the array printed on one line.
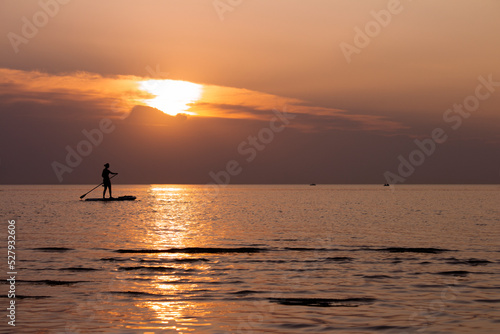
[[106, 165]]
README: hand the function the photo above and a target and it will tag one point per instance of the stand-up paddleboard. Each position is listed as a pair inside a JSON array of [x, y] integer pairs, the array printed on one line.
[[121, 198]]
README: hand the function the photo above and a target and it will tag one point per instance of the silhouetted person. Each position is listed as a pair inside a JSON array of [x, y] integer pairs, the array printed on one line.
[[106, 181]]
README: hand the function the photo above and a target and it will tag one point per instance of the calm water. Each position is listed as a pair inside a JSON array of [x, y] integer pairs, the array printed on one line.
[[255, 259]]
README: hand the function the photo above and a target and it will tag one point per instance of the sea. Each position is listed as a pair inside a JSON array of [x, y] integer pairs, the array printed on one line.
[[251, 259]]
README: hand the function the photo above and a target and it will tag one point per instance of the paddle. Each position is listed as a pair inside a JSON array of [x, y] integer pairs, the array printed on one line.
[[81, 197]]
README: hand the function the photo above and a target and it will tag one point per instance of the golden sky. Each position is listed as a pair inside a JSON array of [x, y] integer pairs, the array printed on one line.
[[406, 63]]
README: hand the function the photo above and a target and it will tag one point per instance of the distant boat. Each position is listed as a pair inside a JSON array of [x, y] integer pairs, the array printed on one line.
[[121, 198], [386, 185], [312, 184]]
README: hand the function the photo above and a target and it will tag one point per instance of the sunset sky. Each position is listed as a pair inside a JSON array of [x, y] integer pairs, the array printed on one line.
[[250, 91]]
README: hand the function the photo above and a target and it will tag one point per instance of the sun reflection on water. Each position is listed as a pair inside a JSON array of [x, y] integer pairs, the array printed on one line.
[[175, 223], [180, 316], [171, 228], [181, 217]]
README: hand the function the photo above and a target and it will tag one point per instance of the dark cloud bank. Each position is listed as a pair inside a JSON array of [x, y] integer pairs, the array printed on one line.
[[151, 147]]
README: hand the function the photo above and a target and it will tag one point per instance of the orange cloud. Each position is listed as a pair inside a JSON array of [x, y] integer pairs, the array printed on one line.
[[228, 102], [115, 96]]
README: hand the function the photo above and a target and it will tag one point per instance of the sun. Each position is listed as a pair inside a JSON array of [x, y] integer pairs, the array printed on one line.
[[171, 96]]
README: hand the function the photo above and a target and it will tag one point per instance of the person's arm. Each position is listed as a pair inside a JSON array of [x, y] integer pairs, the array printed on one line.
[[110, 172]]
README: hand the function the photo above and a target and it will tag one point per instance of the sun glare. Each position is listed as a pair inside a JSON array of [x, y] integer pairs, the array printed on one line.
[[171, 96]]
